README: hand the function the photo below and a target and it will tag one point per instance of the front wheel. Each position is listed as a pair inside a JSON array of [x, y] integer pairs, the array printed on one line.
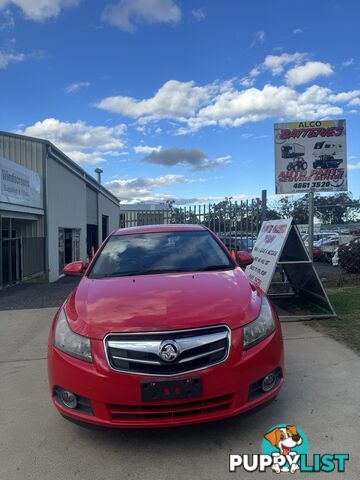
[[290, 166], [304, 166]]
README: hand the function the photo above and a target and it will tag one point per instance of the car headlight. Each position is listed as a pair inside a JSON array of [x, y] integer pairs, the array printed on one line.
[[260, 328], [70, 342]]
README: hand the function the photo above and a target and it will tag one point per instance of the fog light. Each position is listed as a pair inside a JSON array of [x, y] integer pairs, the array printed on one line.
[[69, 399], [268, 382]]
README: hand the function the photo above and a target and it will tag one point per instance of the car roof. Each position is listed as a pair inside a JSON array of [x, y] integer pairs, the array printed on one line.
[[159, 229]]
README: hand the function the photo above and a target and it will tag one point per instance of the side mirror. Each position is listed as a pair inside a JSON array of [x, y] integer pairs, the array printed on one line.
[[73, 268], [244, 258]]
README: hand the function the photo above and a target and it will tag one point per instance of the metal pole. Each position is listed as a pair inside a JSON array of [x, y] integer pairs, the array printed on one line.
[[263, 205], [311, 223]]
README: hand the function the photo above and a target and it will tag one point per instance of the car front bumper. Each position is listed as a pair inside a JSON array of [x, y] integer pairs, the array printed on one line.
[[115, 397]]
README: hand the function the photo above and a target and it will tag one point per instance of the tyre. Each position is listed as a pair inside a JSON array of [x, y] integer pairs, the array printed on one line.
[[290, 166], [304, 166]]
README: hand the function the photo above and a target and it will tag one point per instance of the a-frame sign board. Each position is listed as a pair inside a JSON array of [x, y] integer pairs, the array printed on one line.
[[283, 269]]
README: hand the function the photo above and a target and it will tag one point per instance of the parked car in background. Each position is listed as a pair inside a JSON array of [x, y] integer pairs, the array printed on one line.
[[348, 256], [238, 243], [164, 329], [319, 236], [325, 248]]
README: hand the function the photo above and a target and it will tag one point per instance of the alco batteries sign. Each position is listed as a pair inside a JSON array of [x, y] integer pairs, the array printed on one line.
[[310, 156]]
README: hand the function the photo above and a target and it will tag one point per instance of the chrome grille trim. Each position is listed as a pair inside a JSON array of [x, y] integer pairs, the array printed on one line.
[[133, 360], [195, 357], [187, 340]]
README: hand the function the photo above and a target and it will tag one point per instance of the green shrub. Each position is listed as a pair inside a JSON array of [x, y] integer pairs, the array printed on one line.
[[349, 256]]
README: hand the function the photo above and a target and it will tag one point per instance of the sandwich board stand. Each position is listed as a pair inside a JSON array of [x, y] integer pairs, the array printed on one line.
[[283, 269]]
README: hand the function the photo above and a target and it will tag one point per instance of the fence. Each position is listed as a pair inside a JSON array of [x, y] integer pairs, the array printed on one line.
[[235, 223]]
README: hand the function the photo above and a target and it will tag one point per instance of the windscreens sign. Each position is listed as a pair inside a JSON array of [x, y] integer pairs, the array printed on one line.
[[19, 185], [310, 156]]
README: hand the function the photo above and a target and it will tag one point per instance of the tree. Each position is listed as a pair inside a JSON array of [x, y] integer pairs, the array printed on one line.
[[337, 209], [329, 209], [285, 207], [297, 209]]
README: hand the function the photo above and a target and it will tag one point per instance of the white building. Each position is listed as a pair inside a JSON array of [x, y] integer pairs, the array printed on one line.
[[51, 211]]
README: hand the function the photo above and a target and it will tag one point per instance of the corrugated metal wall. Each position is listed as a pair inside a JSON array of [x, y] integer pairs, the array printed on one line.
[[27, 153]]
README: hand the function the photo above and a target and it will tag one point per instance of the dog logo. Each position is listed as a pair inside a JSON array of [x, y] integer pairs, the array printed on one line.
[[168, 351], [284, 441]]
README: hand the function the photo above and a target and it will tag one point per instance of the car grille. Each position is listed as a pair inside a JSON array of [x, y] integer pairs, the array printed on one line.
[[139, 353], [166, 411]]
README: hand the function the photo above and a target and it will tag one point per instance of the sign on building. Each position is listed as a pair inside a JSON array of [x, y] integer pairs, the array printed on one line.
[[19, 185], [310, 156], [266, 252]]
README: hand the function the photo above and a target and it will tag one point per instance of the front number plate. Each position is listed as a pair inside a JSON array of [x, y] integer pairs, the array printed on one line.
[[171, 389]]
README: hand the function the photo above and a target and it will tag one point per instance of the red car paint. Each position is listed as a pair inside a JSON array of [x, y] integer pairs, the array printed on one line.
[[158, 303]]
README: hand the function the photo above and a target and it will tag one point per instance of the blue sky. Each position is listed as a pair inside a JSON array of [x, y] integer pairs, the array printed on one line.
[[177, 99]]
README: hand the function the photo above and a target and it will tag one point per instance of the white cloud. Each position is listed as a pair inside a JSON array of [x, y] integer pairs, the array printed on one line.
[[276, 63], [199, 14], [135, 190], [189, 107], [354, 166], [174, 100], [238, 107], [348, 63], [297, 31], [39, 10], [307, 73], [273, 63], [146, 149], [83, 158], [7, 57], [7, 20], [126, 14], [259, 38], [247, 81], [85, 144], [211, 199], [76, 87], [194, 157], [350, 96]]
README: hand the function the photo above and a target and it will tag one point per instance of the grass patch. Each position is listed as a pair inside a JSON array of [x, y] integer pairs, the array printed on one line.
[[346, 327]]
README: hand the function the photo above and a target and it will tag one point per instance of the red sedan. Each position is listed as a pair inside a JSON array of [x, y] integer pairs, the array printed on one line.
[[163, 329]]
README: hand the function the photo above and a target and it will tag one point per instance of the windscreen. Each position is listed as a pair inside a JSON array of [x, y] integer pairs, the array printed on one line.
[[147, 253]]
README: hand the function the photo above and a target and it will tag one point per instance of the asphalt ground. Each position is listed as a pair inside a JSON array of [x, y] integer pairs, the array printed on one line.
[[320, 395], [30, 295]]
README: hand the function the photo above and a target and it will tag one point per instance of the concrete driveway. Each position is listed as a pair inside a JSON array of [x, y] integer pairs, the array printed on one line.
[[321, 395]]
